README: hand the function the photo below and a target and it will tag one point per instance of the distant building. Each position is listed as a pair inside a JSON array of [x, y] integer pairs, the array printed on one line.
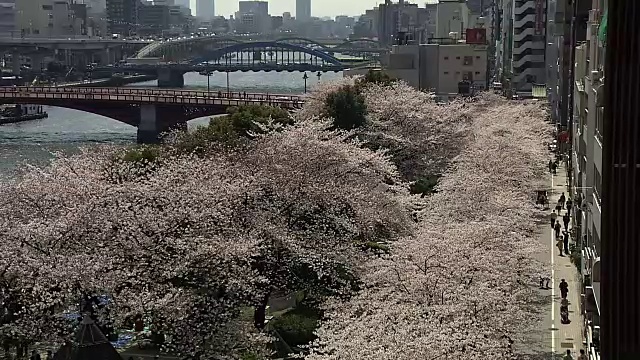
[[438, 67], [7, 17], [303, 10], [253, 17], [523, 42], [205, 9], [34, 18], [153, 19], [122, 16]]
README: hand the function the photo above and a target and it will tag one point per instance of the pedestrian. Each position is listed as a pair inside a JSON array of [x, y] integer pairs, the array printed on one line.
[[582, 356], [562, 199], [35, 356], [550, 166], [568, 356], [565, 239], [569, 205], [554, 168], [557, 227], [564, 288], [553, 218], [565, 220], [559, 245], [558, 207]]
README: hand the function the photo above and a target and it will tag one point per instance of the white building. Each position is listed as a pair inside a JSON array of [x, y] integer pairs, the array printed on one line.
[[587, 152], [205, 9], [452, 16], [437, 67]]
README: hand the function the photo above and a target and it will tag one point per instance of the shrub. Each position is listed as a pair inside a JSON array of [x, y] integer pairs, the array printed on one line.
[[142, 155], [376, 77], [347, 108]]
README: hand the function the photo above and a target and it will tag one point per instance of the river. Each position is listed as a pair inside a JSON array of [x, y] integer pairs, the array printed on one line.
[[66, 130]]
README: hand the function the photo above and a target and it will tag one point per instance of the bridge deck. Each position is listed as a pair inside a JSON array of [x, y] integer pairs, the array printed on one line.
[[26, 94]]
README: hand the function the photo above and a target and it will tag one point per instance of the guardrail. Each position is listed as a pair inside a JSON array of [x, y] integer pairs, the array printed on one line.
[[149, 96]]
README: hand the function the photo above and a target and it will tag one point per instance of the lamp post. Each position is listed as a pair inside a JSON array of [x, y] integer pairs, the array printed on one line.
[[228, 83], [305, 77], [208, 79]]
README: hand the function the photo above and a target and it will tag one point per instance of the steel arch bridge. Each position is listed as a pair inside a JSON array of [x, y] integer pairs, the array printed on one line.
[[269, 55], [312, 44], [178, 50]]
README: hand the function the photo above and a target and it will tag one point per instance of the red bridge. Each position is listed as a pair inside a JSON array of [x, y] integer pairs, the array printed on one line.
[[152, 111]]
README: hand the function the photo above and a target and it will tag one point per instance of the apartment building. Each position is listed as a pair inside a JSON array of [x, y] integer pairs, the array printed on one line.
[[122, 16], [522, 41], [437, 67], [587, 156]]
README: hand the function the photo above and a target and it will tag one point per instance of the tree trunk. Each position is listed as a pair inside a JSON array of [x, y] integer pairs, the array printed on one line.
[[260, 313]]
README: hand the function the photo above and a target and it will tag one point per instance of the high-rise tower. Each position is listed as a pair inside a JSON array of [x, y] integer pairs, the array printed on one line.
[[303, 10], [205, 9]]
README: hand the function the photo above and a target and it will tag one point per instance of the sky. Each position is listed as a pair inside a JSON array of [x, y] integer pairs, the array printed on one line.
[[319, 8]]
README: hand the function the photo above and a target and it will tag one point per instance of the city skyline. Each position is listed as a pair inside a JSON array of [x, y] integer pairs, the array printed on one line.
[[319, 8]]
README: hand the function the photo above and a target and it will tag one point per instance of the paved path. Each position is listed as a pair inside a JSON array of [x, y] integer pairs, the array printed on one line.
[[563, 336]]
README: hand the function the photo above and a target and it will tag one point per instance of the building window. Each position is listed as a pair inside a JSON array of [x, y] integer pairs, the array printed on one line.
[[477, 57], [446, 73], [457, 57], [457, 72], [468, 60], [599, 122], [446, 58], [477, 72], [597, 183]]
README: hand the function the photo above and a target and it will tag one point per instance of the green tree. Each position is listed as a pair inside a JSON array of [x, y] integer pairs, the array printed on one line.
[[347, 108], [376, 77]]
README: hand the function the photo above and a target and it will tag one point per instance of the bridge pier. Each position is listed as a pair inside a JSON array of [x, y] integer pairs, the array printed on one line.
[[157, 119], [168, 78]]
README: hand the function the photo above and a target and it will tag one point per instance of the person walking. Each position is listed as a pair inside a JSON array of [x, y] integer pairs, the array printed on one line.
[[553, 218], [550, 166], [554, 168], [569, 206], [582, 355], [565, 238], [562, 199], [557, 227], [568, 356], [566, 219], [558, 207], [564, 288]]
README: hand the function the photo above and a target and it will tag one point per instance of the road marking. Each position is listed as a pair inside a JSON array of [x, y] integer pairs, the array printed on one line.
[[553, 288]]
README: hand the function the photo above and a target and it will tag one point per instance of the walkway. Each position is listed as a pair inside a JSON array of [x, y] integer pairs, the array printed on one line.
[[554, 338], [567, 336]]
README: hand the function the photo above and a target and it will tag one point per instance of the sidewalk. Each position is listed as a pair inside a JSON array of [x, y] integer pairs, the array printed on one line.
[[563, 336]]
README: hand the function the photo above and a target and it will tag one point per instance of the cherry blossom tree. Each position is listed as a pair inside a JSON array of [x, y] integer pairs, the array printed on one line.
[[419, 133], [197, 241], [462, 287]]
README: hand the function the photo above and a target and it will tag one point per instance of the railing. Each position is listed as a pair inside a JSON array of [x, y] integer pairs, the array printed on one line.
[[154, 96]]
